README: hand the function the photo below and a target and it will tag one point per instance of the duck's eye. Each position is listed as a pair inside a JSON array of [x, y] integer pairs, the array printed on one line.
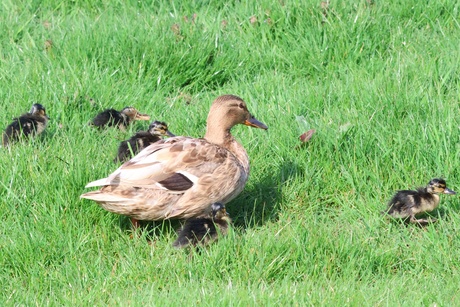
[[241, 106]]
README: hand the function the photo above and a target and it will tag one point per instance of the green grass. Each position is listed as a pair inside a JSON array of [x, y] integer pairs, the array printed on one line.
[[377, 80]]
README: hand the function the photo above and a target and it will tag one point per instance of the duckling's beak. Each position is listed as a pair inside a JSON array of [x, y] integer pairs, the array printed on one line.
[[449, 191], [253, 122], [170, 134], [140, 116]]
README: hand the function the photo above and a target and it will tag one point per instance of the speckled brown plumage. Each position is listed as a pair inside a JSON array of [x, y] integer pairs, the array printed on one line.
[[157, 130], [120, 119], [406, 204], [207, 170], [27, 125]]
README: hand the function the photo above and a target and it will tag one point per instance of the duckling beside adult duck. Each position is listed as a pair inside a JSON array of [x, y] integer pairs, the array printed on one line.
[[140, 140], [205, 230], [27, 125], [181, 177], [120, 119], [408, 203]]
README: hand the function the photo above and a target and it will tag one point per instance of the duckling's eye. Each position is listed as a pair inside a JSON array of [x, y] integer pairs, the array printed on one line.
[[242, 106]]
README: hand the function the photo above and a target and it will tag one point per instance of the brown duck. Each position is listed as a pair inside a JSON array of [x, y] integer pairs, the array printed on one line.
[[181, 177]]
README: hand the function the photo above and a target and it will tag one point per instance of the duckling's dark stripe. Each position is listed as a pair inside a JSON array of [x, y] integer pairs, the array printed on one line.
[[177, 182]]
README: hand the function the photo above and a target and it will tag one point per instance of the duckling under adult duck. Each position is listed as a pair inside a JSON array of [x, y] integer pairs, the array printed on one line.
[[27, 125], [204, 230], [140, 140], [181, 177], [120, 119], [408, 203]]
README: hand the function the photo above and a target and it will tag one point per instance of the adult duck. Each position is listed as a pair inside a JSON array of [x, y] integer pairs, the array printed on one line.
[[181, 177]]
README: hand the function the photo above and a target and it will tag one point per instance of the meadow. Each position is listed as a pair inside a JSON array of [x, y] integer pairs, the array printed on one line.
[[377, 80]]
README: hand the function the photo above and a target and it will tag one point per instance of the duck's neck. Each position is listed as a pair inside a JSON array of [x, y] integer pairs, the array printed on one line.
[[126, 119], [225, 139], [218, 135]]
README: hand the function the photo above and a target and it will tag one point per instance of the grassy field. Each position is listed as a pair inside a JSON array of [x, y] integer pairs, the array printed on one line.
[[377, 80]]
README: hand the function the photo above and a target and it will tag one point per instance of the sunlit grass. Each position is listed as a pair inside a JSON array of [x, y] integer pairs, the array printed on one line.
[[377, 81]]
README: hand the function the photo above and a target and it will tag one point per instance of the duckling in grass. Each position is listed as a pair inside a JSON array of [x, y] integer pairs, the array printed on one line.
[[142, 139], [27, 125], [408, 203], [120, 119], [204, 230]]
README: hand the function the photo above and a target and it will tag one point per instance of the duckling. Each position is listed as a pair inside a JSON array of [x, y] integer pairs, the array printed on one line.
[[142, 139], [408, 203], [120, 119], [28, 125], [204, 230]]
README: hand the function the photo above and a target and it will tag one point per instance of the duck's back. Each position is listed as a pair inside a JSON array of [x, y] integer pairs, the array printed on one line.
[[136, 143], [413, 201], [25, 125], [175, 178], [196, 231], [108, 118]]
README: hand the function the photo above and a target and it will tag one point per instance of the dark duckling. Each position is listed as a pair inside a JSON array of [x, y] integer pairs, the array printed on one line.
[[27, 125], [120, 119], [408, 203], [204, 230], [140, 140]]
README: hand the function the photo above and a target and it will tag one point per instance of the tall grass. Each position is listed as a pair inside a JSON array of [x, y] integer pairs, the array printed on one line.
[[378, 81]]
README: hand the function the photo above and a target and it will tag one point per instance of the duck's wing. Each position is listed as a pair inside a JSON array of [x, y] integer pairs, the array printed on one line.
[[175, 164]]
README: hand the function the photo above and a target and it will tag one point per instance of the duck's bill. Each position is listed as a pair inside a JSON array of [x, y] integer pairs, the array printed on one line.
[[449, 191], [252, 122], [170, 134], [140, 116]]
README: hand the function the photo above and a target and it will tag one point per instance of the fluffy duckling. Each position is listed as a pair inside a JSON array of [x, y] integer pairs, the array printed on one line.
[[204, 231], [28, 125], [408, 203], [142, 139], [120, 119], [178, 178]]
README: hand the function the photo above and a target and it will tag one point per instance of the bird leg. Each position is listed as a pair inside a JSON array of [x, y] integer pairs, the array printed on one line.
[[421, 222], [135, 223]]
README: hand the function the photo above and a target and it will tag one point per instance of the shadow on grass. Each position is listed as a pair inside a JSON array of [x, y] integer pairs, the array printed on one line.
[[152, 229], [260, 204], [253, 207]]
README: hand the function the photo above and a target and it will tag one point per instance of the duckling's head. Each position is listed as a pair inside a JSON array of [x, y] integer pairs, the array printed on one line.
[[438, 186], [38, 110], [134, 114], [220, 213], [159, 129], [230, 110]]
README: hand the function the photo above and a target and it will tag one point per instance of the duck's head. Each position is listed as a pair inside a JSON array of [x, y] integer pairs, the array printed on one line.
[[38, 110], [220, 213], [438, 186], [159, 129], [226, 112], [134, 114]]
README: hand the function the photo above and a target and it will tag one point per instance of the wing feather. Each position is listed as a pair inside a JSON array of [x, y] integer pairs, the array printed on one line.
[[181, 160]]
